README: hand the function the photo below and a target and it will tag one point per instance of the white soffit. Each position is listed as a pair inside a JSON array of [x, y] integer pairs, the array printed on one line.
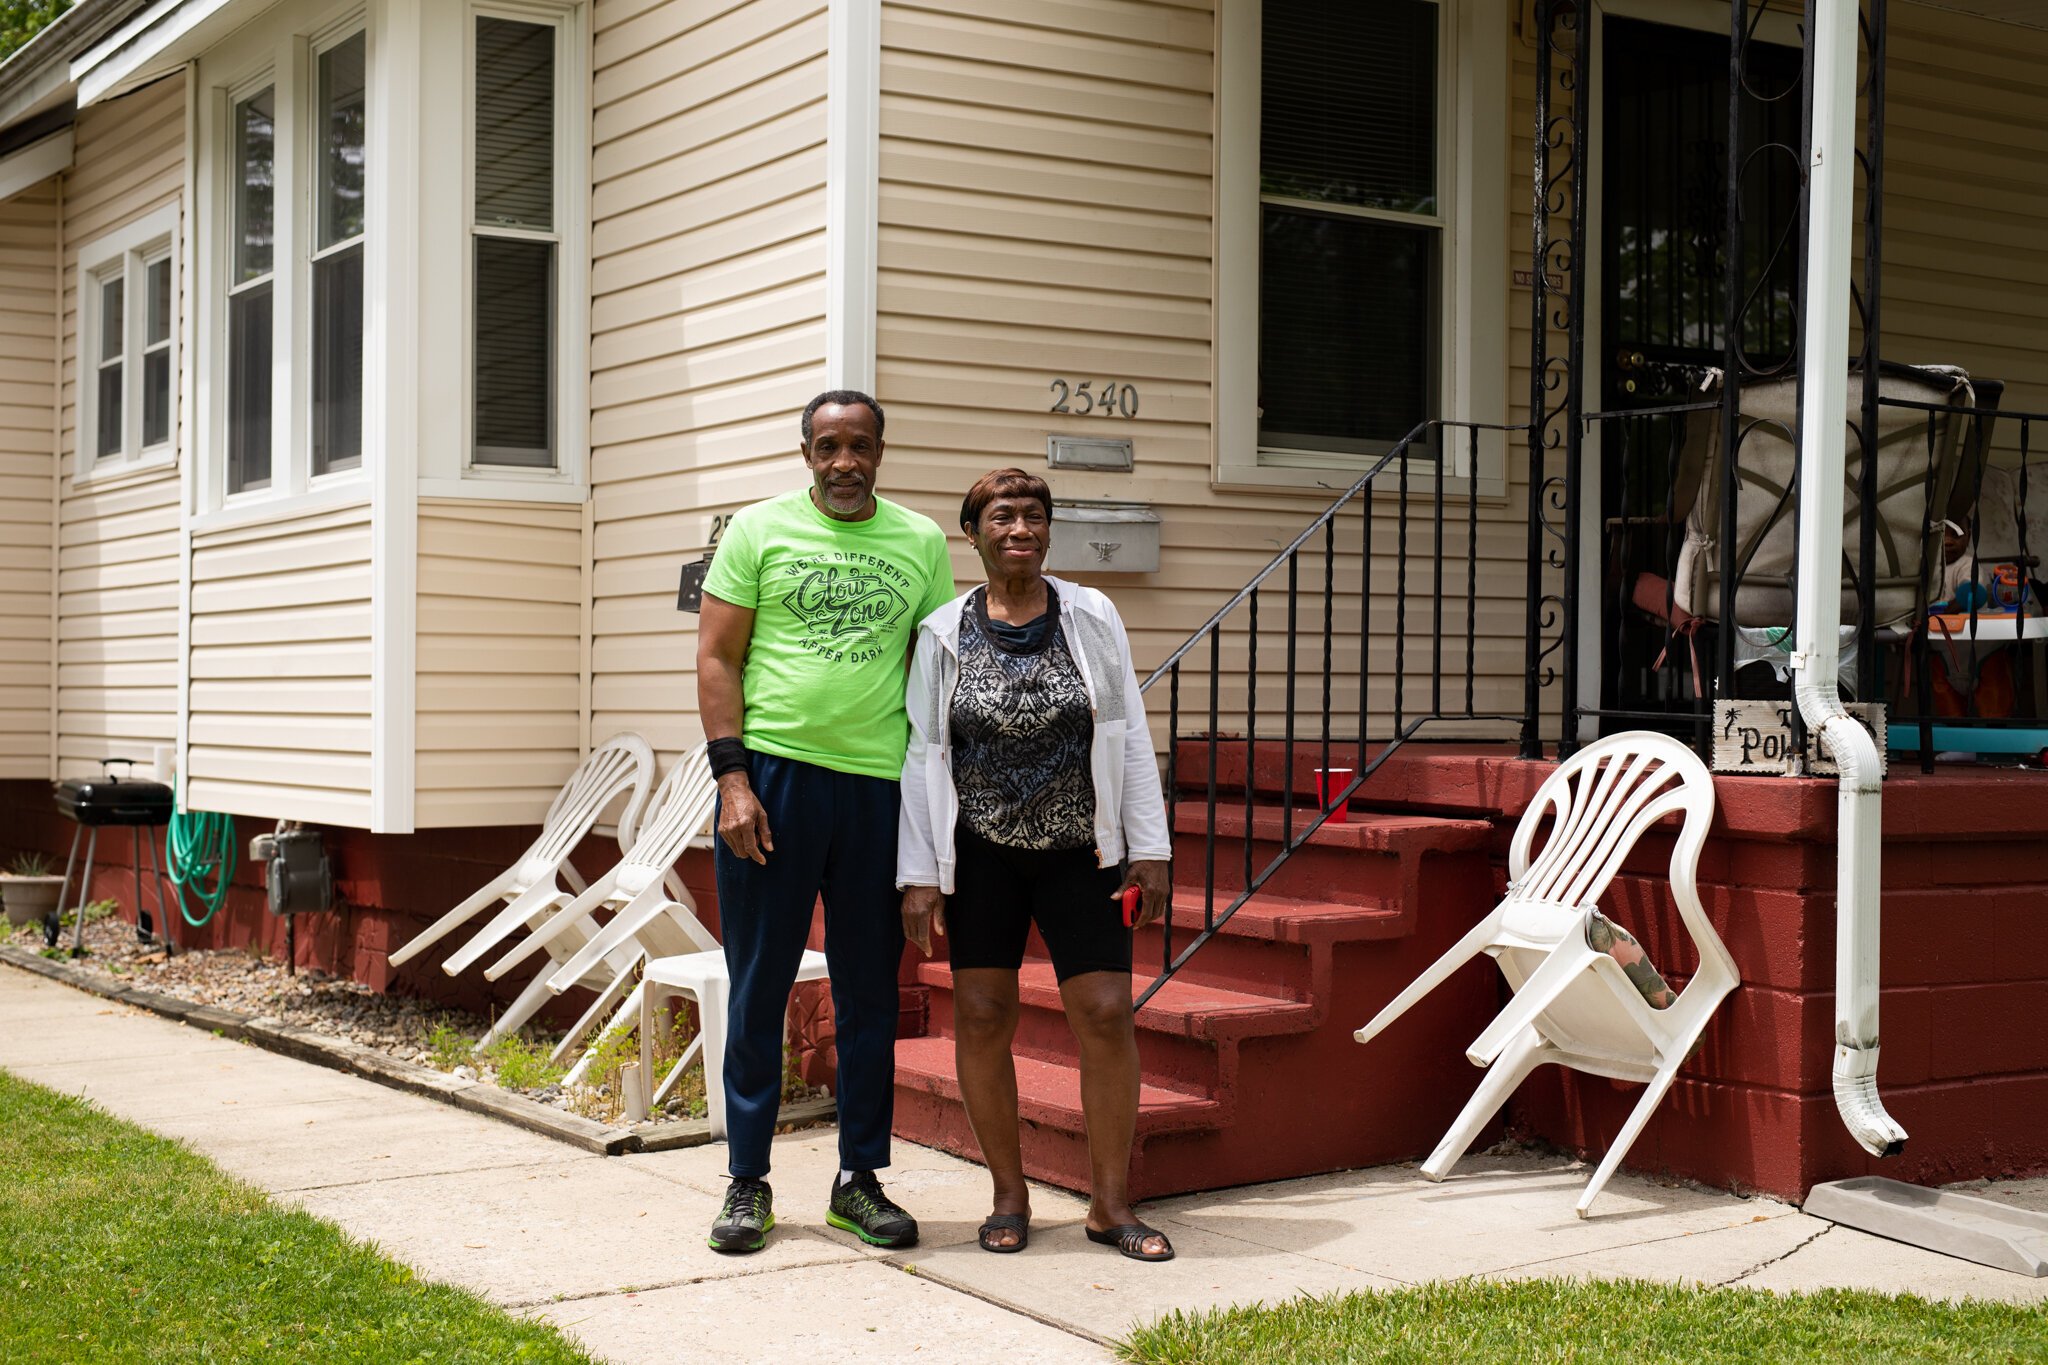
[[35, 163], [156, 42]]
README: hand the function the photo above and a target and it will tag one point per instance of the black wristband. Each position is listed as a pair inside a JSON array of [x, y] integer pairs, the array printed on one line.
[[726, 755]]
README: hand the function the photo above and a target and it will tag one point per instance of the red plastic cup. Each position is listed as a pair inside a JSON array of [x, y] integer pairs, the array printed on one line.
[[1329, 782], [1133, 897]]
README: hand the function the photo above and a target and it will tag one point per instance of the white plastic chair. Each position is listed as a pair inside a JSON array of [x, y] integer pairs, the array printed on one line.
[[528, 890], [702, 976], [652, 914], [1573, 1005]]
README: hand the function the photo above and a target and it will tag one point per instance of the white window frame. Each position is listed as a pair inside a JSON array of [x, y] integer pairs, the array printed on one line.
[[1471, 219], [312, 253], [447, 465], [128, 251], [279, 49]]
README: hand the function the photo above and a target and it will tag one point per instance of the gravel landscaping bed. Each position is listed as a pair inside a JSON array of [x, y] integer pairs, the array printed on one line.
[[405, 1028]]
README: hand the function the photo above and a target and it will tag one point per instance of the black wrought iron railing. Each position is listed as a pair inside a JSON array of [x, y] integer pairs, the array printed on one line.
[[1243, 679], [1995, 609]]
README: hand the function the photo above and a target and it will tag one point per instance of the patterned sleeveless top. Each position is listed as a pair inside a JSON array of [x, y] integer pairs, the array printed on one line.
[[1021, 730]]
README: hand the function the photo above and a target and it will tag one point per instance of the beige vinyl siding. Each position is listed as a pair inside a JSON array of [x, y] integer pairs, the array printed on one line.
[[280, 694], [1965, 204], [28, 375], [117, 548], [707, 314], [1048, 182], [500, 660]]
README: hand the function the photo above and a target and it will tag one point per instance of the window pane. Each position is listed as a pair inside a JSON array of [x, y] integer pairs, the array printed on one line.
[[341, 130], [113, 338], [156, 398], [515, 124], [338, 360], [255, 183], [157, 292], [1346, 343], [1348, 114], [515, 344], [107, 410], [249, 389]]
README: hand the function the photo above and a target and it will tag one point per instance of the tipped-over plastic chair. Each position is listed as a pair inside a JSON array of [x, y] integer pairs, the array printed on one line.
[[528, 892], [1573, 1005], [651, 914]]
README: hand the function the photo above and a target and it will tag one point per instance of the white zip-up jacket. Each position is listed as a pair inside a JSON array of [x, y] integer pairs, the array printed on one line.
[[1130, 808]]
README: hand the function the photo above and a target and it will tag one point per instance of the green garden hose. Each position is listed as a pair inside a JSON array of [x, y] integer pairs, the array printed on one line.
[[201, 844]]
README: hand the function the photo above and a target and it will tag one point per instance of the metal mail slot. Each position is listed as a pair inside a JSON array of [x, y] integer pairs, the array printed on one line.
[[1104, 537], [1087, 452]]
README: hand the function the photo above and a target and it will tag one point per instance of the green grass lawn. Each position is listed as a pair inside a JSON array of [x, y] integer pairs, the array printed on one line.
[[117, 1245], [1628, 1321]]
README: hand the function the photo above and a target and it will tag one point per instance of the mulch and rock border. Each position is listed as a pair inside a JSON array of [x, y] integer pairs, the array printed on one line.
[[342, 1024]]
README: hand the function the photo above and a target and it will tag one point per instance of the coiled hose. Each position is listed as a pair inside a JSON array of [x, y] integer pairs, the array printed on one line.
[[201, 844]]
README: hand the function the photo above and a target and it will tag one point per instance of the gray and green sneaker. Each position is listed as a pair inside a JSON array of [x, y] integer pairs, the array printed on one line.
[[747, 1215], [860, 1207]]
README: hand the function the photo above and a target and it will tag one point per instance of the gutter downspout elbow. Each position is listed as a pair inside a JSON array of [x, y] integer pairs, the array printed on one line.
[[1823, 425], [1858, 835]]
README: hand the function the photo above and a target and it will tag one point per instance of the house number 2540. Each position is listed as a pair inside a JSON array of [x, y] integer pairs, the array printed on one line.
[[1109, 399]]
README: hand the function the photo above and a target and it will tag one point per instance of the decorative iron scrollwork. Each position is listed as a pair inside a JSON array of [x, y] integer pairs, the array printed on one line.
[[1557, 381]]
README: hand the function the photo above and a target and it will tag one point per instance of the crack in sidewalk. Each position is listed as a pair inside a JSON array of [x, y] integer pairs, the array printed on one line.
[[1767, 1263], [948, 1282], [687, 1280]]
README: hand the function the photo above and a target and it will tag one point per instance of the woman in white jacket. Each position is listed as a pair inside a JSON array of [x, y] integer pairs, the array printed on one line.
[[1031, 796]]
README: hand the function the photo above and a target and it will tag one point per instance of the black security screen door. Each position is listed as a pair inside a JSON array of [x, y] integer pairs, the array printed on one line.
[[1664, 228]]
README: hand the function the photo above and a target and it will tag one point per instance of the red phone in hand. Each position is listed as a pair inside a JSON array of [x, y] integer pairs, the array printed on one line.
[[1133, 897]]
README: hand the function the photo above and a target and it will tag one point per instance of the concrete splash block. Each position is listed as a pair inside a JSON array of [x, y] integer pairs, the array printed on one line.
[[1960, 1225]]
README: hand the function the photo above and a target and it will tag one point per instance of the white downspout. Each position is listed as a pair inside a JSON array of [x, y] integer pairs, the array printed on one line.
[[1823, 426]]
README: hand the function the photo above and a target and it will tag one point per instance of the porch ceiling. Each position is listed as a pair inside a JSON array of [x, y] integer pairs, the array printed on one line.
[[2029, 13]]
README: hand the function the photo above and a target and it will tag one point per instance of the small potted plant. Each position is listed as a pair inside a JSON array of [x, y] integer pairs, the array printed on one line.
[[29, 889]]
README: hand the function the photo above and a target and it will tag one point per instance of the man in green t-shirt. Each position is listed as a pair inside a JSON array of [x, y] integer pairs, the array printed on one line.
[[810, 610]]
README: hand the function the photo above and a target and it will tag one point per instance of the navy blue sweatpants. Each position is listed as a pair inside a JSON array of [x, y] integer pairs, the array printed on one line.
[[834, 833]]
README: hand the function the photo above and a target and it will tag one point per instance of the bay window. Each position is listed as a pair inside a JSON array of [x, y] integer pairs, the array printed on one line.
[[251, 295], [339, 126], [407, 301], [286, 170], [515, 245]]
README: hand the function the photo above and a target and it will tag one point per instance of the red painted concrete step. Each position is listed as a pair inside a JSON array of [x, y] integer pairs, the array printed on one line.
[[1367, 831], [1272, 945], [1180, 1008], [1374, 859], [1048, 1093]]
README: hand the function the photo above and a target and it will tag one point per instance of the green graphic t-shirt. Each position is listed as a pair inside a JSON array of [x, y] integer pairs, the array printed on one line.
[[836, 606]]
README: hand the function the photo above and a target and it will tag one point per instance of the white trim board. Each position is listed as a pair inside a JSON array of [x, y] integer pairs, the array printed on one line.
[[853, 143], [391, 407], [156, 42], [35, 163]]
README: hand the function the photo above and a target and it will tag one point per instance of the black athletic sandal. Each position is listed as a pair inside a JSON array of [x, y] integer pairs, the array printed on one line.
[[1129, 1238], [1019, 1223]]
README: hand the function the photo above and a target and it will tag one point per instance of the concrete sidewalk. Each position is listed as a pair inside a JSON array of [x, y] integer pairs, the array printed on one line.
[[613, 1248]]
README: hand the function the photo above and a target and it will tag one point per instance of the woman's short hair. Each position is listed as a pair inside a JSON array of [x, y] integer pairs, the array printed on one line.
[[1002, 483]]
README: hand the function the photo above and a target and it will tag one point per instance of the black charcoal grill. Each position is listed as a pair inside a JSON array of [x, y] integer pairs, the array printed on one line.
[[110, 799]]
